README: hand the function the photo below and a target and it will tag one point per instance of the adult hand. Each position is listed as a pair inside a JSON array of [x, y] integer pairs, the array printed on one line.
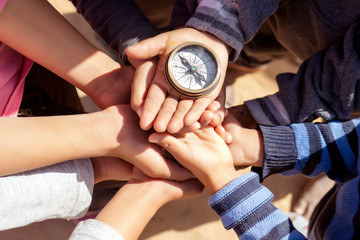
[[163, 108]]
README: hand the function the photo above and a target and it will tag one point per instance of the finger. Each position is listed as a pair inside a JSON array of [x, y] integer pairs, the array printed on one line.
[[206, 118], [196, 110], [228, 137], [165, 113], [148, 48], [171, 144], [192, 128], [177, 121], [220, 130], [214, 106], [217, 119], [140, 85], [155, 165], [152, 104], [167, 169]]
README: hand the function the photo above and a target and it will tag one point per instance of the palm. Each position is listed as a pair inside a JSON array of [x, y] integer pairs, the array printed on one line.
[[163, 108]]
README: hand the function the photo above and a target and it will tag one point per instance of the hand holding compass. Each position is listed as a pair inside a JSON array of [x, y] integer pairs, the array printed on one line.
[[166, 109]]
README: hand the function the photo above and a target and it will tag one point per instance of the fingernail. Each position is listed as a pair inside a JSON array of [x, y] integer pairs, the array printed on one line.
[[140, 111], [153, 138], [206, 123]]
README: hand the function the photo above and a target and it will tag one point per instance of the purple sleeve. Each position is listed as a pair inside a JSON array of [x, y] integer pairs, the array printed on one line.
[[120, 23]]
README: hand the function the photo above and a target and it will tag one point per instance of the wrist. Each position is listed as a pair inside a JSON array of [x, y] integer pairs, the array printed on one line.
[[254, 151], [214, 182], [136, 203], [91, 68], [101, 133]]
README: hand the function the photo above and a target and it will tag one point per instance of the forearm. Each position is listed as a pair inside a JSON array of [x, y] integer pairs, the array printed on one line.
[[35, 29], [245, 195], [58, 191], [180, 14], [119, 23], [234, 24], [326, 85], [136, 205], [41, 141], [312, 149]]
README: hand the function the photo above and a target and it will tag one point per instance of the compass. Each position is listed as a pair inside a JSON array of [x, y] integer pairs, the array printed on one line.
[[192, 69]]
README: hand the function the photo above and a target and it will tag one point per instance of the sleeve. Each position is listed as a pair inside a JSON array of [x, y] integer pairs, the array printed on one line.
[[331, 148], [120, 23], [2, 4], [245, 206], [94, 230], [326, 85], [233, 22], [180, 14], [62, 190]]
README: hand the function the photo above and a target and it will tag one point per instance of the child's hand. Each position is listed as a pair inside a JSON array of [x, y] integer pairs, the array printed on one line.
[[144, 74], [203, 152], [111, 88], [136, 202], [167, 190], [246, 145], [127, 141], [111, 168], [163, 108]]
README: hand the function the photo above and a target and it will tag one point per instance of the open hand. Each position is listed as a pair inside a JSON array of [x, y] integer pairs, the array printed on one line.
[[163, 108]]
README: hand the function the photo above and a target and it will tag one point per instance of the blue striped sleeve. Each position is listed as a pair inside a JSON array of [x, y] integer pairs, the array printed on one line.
[[311, 149], [328, 148], [245, 206]]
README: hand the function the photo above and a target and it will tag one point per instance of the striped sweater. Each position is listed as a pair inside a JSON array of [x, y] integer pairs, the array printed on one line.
[[324, 33], [331, 148]]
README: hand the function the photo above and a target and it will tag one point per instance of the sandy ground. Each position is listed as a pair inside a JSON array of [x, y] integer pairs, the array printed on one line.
[[190, 219]]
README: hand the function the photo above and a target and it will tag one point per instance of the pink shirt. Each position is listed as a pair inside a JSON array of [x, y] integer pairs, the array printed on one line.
[[13, 69]]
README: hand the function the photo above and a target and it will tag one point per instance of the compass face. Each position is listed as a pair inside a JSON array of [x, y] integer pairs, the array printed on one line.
[[192, 70]]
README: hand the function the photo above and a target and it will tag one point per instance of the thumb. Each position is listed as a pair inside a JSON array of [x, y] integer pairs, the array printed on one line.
[[147, 48]]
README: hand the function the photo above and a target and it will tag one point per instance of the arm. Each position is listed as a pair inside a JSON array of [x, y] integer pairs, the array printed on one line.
[[61, 190], [308, 148], [58, 191], [327, 86], [223, 27], [180, 14], [133, 206], [121, 23], [311, 149], [40, 141], [242, 202], [56, 45], [233, 23]]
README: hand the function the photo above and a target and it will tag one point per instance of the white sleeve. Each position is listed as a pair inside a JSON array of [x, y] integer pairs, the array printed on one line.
[[94, 230], [62, 190]]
